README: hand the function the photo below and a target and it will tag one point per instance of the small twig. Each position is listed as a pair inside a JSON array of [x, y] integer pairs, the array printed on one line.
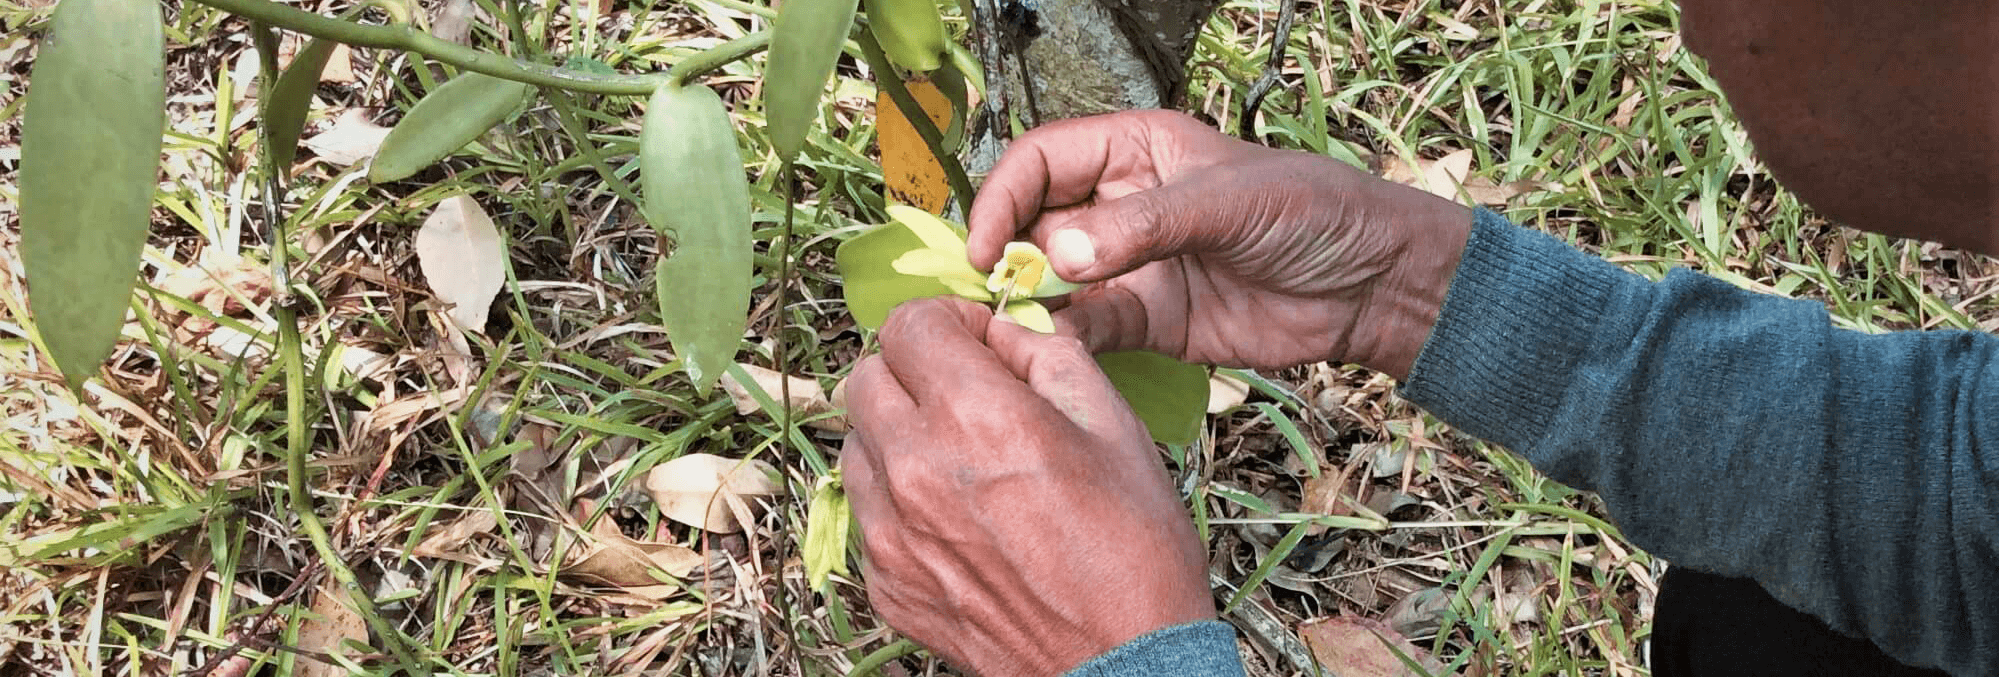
[[1272, 70]]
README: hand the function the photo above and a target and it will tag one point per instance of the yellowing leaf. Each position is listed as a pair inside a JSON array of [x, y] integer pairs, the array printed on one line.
[[910, 172], [462, 259], [698, 489]]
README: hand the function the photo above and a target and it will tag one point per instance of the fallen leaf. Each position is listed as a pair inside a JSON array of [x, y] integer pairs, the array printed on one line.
[[808, 398], [1418, 613], [1446, 176], [339, 66], [697, 489], [445, 542], [1225, 392], [1443, 177], [453, 21], [615, 559], [1361, 647], [226, 289], [331, 623], [1323, 495], [352, 138], [462, 259]]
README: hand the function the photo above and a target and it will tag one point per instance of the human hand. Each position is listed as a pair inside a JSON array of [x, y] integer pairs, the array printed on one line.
[[1014, 513], [1220, 251]]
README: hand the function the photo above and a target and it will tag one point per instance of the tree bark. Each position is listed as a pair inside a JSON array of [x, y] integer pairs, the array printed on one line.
[[1048, 60]]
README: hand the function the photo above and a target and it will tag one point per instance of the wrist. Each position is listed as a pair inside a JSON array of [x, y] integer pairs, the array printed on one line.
[[1393, 325]]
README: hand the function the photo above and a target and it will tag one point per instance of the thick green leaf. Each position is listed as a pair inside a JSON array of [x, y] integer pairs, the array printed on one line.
[[290, 98], [911, 32], [1170, 396], [868, 278], [444, 121], [804, 46], [90, 156], [692, 177]]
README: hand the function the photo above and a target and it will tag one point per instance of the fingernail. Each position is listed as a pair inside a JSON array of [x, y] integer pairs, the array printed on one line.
[[1071, 251], [1002, 316]]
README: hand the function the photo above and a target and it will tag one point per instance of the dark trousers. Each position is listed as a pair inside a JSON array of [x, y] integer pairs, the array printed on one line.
[[1708, 625]]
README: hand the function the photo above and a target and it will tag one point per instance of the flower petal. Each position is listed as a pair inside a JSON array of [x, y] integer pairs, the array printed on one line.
[[953, 271], [932, 263], [1031, 315], [933, 231]]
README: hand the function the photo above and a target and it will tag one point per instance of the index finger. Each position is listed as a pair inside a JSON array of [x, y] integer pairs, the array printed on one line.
[[1054, 165], [936, 348]]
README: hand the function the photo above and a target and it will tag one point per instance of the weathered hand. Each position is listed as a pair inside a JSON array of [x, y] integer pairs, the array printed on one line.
[[1221, 251], [1015, 516]]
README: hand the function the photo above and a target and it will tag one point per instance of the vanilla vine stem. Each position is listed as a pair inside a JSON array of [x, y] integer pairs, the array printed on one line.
[[410, 39]]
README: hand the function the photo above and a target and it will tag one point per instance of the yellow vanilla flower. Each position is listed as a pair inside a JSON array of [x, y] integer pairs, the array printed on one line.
[[1022, 273]]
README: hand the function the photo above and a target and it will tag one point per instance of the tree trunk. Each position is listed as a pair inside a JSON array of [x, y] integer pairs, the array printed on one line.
[[1047, 60]]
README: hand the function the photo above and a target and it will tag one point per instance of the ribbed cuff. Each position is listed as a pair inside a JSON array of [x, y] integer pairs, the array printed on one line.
[[1521, 307], [1204, 648]]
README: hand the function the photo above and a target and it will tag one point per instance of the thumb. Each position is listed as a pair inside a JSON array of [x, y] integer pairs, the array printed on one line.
[[1105, 240]]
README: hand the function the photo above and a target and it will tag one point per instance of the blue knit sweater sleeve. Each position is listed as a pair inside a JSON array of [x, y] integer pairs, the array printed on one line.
[[1855, 476], [1199, 649]]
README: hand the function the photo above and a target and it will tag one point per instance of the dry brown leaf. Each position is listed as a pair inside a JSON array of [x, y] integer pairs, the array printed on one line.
[[445, 542], [697, 489], [808, 398], [453, 21], [1225, 392], [1446, 176], [339, 66], [331, 623], [352, 139], [462, 259], [617, 560], [1359, 647]]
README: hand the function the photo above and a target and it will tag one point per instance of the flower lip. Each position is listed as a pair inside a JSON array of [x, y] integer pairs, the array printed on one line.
[[1025, 268]]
